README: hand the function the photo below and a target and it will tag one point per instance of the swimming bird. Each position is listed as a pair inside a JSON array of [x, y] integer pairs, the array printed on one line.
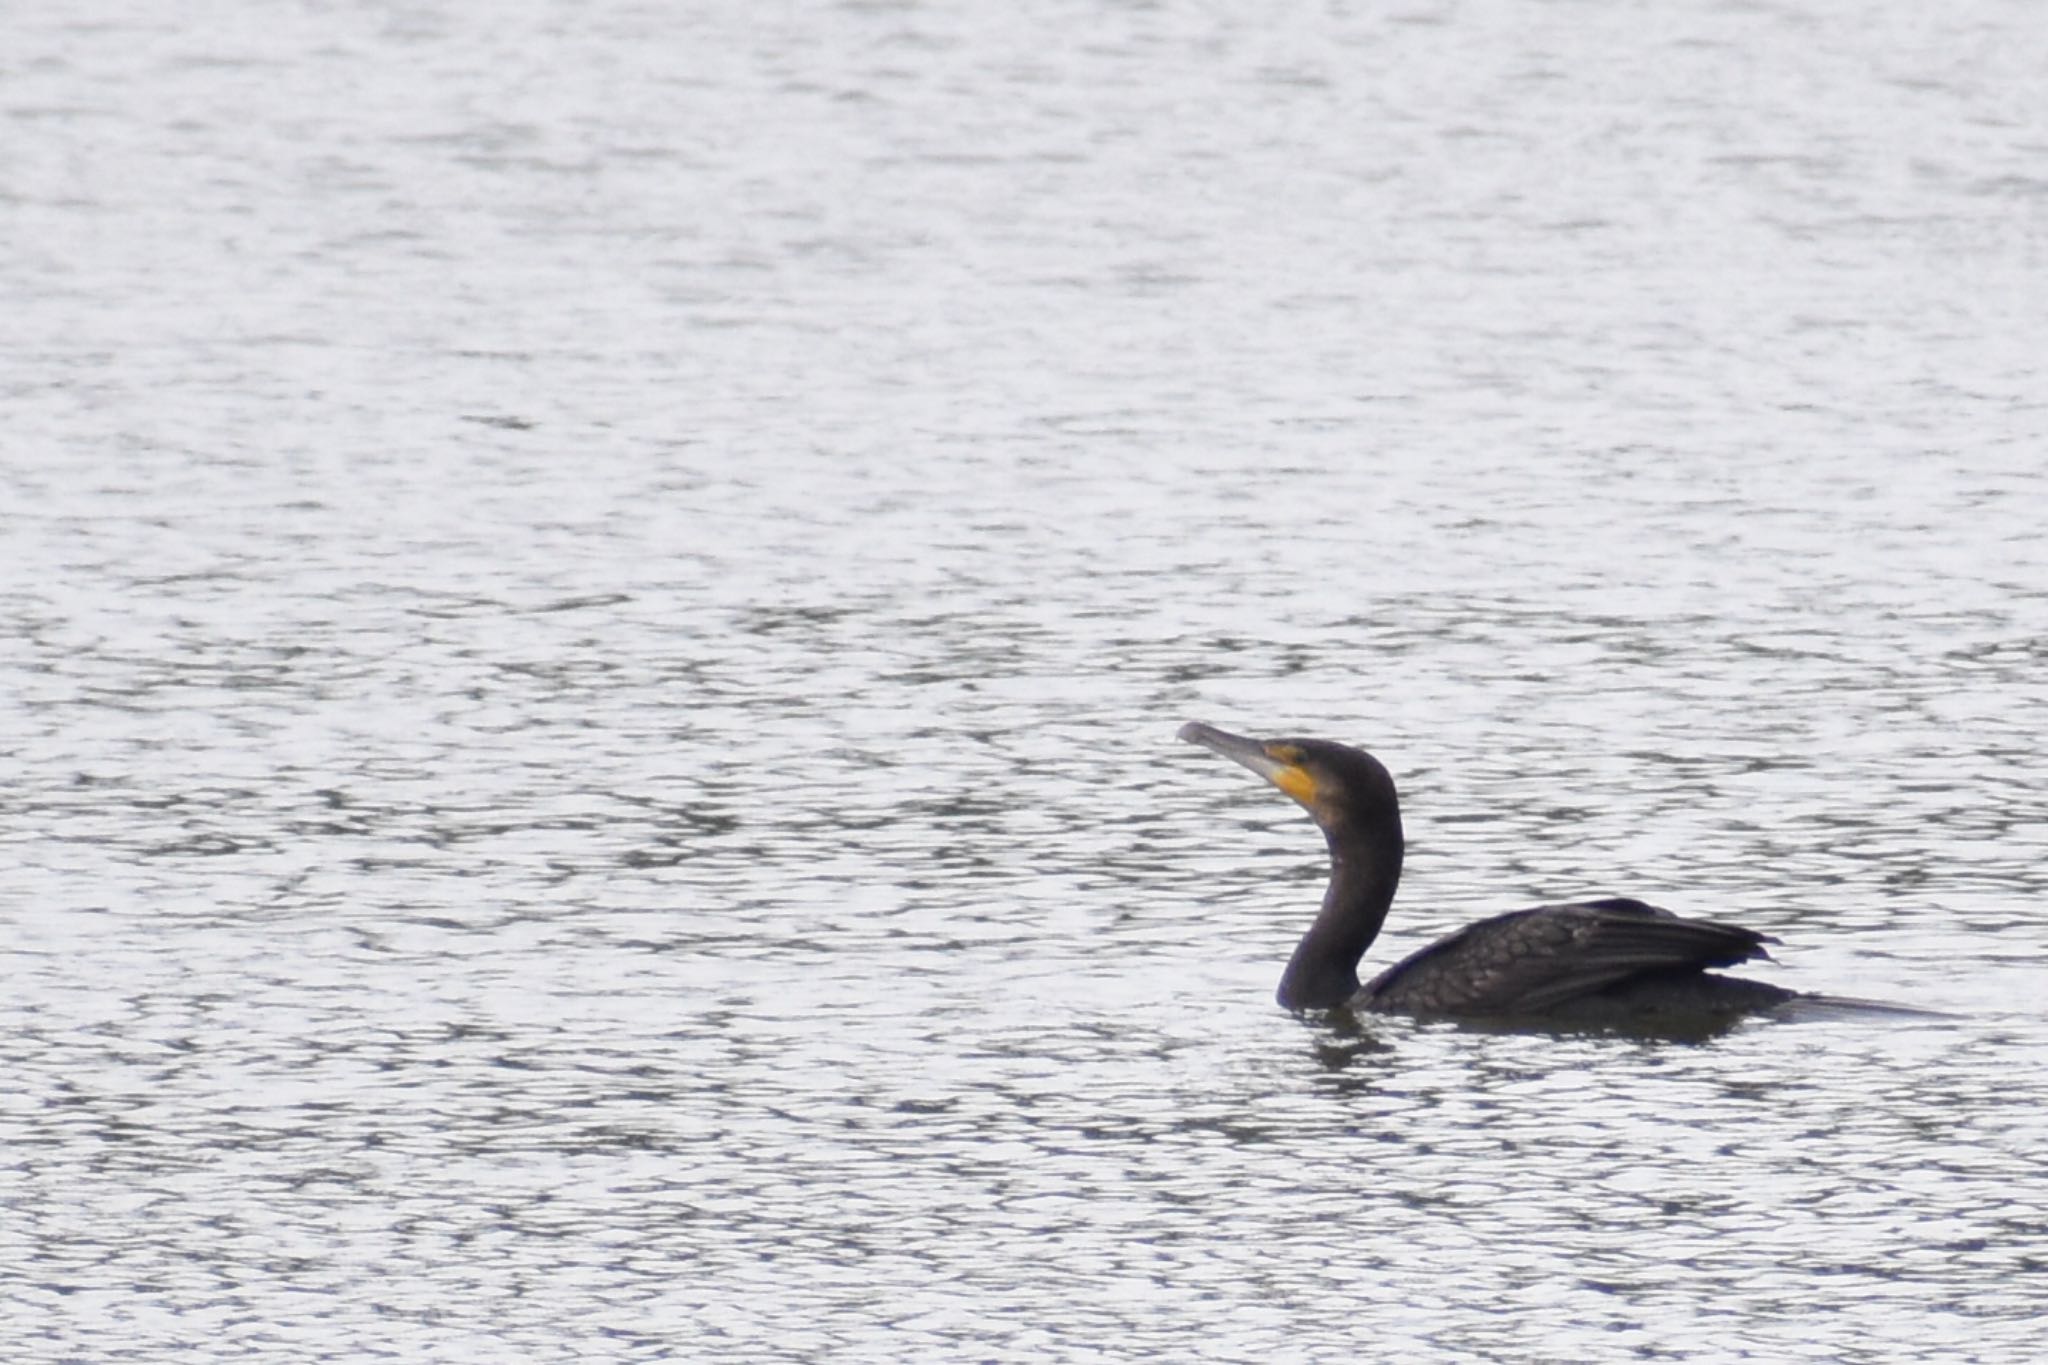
[[1600, 961]]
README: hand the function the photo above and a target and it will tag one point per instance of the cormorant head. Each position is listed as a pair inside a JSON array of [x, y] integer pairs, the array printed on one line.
[[1345, 790]]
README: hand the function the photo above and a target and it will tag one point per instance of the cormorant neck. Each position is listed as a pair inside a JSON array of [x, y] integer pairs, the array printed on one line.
[[1323, 973]]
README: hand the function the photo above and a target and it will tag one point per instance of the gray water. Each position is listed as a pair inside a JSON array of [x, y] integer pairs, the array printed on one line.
[[597, 599]]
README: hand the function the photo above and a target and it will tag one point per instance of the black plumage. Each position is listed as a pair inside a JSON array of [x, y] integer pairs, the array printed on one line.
[[1588, 960]]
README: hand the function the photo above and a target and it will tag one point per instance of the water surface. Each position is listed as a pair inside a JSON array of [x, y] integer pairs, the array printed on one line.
[[599, 598]]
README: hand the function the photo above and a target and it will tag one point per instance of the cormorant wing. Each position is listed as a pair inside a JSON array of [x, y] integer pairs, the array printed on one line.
[[1530, 961]]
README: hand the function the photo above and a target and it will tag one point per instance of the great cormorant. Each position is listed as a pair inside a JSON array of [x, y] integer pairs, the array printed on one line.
[[1607, 961]]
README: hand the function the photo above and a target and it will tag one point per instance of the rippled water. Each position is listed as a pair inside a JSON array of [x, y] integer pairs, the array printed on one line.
[[599, 598]]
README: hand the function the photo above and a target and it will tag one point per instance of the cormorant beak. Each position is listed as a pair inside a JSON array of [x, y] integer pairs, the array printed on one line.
[[1278, 761]]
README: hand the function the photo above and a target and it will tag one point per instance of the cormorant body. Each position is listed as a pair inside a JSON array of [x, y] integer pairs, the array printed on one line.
[[1593, 962]]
